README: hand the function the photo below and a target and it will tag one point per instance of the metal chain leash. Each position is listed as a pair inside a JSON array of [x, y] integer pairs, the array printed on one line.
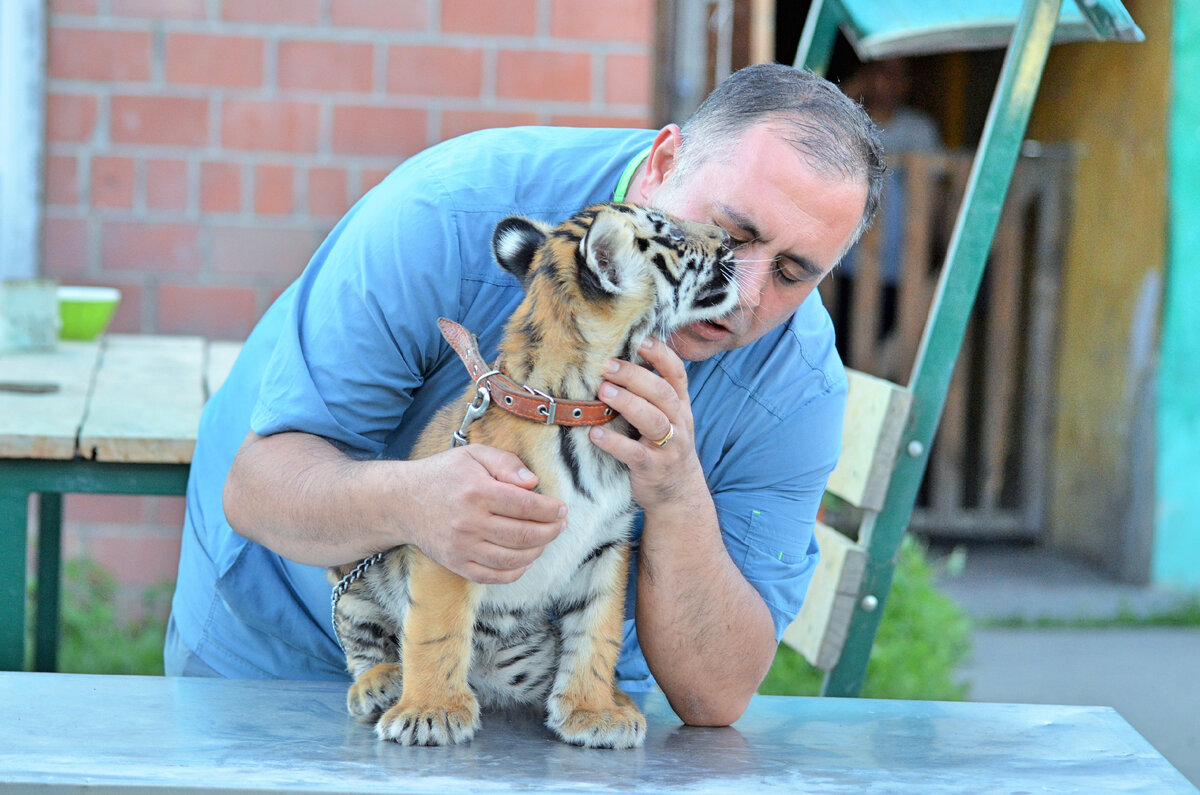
[[353, 576], [475, 410]]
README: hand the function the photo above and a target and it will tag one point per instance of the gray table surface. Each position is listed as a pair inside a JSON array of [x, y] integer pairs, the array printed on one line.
[[106, 733]]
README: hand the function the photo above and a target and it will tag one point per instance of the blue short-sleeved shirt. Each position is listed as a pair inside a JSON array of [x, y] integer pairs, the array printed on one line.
[[351, 352]]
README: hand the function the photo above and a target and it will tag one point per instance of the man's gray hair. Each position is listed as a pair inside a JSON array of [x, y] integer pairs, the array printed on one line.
[[831, 131]]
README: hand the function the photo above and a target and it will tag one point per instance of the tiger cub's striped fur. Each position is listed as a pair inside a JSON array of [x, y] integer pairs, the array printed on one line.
[[425, 646]]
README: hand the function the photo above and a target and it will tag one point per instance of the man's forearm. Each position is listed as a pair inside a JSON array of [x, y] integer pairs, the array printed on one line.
[[706, 633], [303, 498]]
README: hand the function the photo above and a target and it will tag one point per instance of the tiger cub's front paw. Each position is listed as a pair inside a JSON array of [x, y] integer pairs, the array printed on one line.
[[447, 723], [620, 725], [376, 690]]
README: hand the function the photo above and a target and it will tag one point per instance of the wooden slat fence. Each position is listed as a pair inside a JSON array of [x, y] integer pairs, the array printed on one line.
[[987, 471]]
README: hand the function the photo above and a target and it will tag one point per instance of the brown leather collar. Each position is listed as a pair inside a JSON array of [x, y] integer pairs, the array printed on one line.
[[524, 402]]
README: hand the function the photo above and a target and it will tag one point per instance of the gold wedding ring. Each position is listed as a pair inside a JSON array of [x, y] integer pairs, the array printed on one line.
[[665, 439]]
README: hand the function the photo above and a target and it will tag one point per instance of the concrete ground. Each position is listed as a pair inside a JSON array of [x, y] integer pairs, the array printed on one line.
[[1150, 675]]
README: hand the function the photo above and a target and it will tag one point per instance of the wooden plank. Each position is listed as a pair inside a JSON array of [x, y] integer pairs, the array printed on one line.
[[45, 425], [914, 293], [876, 411], [1037, 397], [867, 299], [959, 522], [221, 356], [762, 31], [819, 631], [1003, 363], [147, 400], [948, 458]]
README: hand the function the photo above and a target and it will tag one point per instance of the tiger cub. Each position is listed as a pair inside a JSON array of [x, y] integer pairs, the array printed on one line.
[[425, 646]]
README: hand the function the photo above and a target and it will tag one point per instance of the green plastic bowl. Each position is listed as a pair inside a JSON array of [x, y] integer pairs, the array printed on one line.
[[86, 311]]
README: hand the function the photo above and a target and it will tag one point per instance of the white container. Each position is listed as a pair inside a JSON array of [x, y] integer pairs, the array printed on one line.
[[28, 315]]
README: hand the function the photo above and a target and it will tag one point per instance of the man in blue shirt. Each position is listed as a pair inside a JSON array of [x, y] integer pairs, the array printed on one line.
[[300, 463]]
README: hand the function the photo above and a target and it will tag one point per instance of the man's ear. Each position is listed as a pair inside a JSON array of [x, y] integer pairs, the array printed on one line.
[[514, 243], [659, 163]]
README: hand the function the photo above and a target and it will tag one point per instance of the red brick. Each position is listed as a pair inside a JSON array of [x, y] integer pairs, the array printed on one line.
[[136, 560], [295, 12], [458, 122], [585, 120], [168, 511], [166, 184], [328, 192], [274, 189], [369, 178], [103, 508], [214, 60], [220, 187], [65, 248], [82, 7], [490, 17], [627, 79], [112, 182], [128, 317], [380, 14], [435, 71], [369, 130], [326, 65], [164, 121], [62, 179], [108, 55], [262, 250], [270, 126], [160, 9], [612, 20], [70, 118], [544, 75], [223, 312], [150, 246]]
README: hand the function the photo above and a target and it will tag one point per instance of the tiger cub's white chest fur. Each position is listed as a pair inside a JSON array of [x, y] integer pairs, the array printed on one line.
[[598, 516]]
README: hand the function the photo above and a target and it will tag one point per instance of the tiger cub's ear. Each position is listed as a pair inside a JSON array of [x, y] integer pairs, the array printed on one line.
[[514, 243], [605, 248]]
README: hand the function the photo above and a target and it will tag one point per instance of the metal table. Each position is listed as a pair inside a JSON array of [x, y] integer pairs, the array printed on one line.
[[117, 416], [69, 732]]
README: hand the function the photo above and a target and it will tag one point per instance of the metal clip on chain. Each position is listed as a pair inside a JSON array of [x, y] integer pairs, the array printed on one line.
[[475, 410]]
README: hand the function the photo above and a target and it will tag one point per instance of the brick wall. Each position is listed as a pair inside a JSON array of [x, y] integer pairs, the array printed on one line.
[[198, 150]]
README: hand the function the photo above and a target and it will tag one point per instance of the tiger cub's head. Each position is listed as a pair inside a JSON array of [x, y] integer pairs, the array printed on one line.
[[620, 269]]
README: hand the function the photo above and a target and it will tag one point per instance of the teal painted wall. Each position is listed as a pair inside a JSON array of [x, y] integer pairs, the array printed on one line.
[[1176, 555]]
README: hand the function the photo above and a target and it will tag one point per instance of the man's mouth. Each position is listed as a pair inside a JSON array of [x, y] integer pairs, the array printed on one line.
[[709, 330]]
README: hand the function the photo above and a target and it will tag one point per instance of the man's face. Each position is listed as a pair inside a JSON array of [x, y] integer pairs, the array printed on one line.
[[788, 223]]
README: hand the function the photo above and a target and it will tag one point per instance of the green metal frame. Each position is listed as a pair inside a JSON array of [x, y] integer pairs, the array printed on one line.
[[961, 274], [47, 481]]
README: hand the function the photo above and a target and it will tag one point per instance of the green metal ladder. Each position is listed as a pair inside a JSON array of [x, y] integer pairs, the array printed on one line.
[[871, 26]]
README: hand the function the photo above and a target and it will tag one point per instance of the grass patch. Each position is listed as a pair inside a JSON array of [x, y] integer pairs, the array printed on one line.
[[1185, 614], [922, 639], [96, 637]]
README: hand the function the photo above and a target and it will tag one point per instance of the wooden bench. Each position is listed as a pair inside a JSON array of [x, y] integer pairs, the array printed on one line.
[[117, 416], [876, 411]]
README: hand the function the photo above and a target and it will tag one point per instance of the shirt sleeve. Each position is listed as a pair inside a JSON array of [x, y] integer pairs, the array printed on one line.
[[363, 326]]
